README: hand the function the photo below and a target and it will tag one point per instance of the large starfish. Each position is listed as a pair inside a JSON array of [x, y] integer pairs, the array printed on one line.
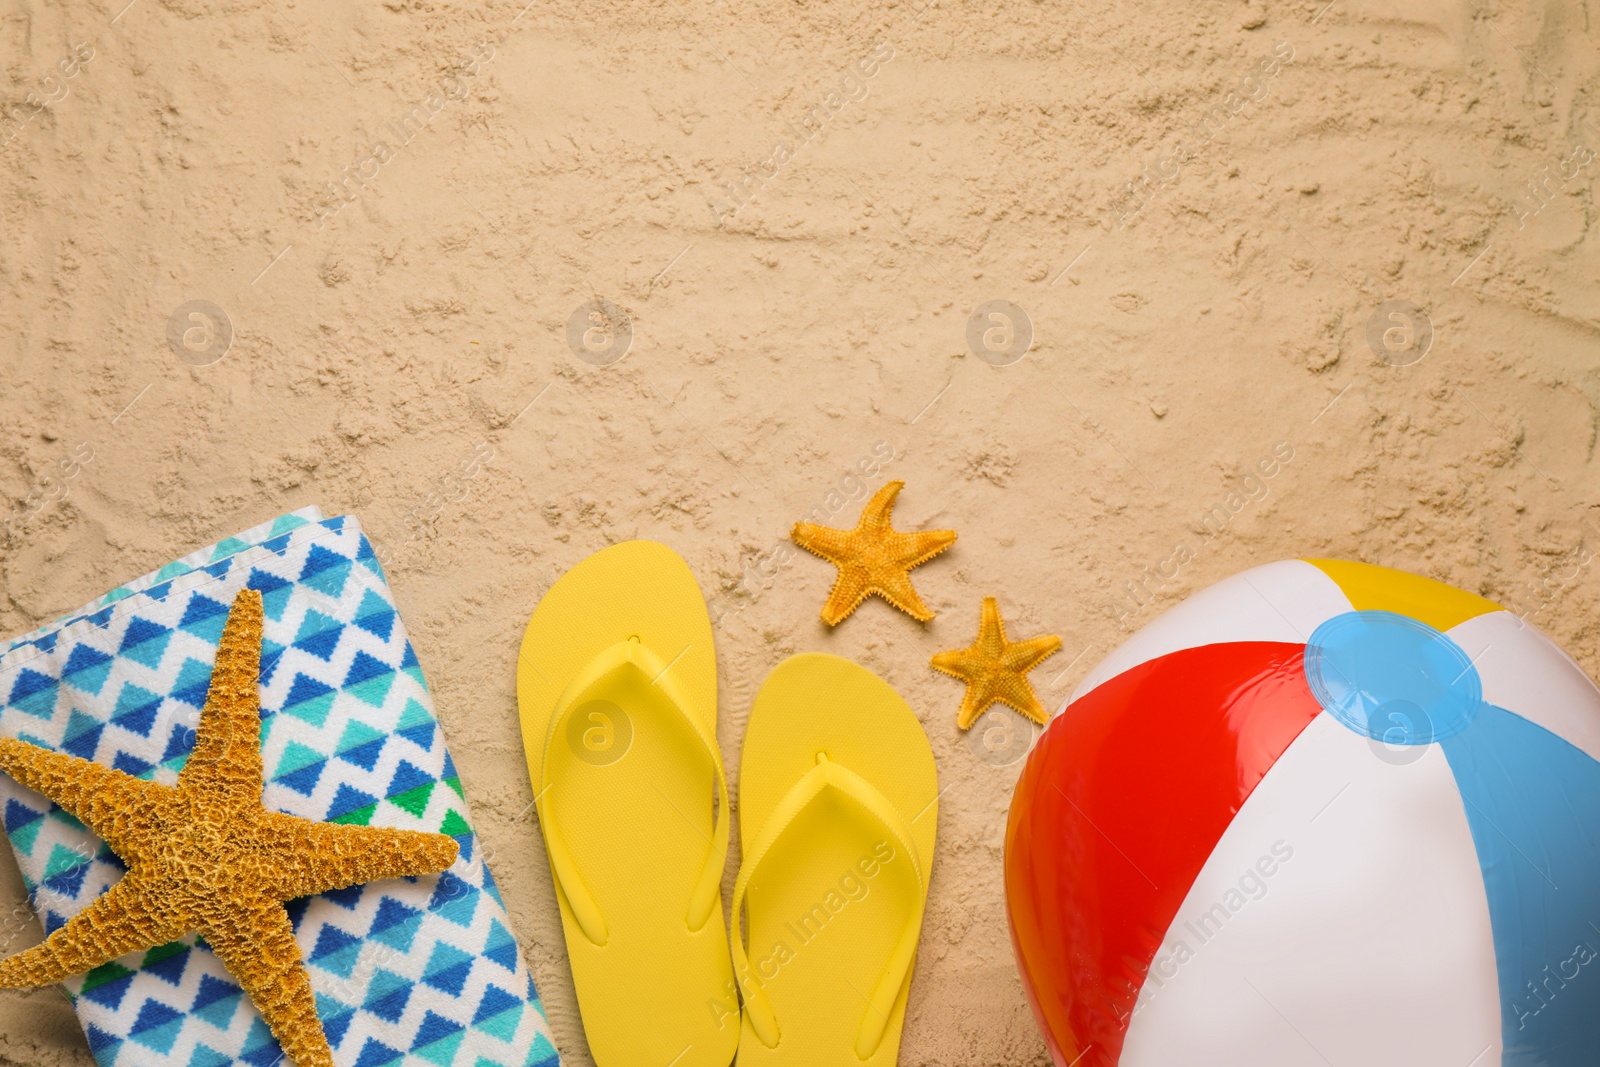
[[995, 669], [873, 558], [206, 855]]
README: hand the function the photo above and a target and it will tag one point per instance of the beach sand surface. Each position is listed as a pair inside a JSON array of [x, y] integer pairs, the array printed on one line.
[[433, 226]]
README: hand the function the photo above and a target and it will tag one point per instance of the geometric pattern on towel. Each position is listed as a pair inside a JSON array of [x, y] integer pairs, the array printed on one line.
[[413, 971]]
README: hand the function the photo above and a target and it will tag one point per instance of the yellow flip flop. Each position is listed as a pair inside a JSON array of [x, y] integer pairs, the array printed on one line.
[[838, 804], [617, 687]]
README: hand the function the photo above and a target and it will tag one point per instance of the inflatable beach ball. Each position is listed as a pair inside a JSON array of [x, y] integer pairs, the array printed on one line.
[[1322, 813]]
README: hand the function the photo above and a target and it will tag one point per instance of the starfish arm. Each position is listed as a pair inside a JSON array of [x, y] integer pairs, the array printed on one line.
[[105, 800], [1018, 693], [978, 698], [226, 762], [849, 590], [1024, 656], [832, 545], [957, 663], [123, 919], [256, 943], [991, 627], [875, 516], [912, 549], [327, 856], [895, 587]]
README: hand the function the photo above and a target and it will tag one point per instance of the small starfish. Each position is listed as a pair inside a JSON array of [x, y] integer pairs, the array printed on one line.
[[995, 669], [206, 855], [873, 558]]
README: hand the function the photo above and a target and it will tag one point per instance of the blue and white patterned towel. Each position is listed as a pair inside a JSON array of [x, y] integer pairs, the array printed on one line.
[[407, 972]]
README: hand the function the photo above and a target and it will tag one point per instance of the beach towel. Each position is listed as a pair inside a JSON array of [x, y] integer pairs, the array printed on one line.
[[415, 971]]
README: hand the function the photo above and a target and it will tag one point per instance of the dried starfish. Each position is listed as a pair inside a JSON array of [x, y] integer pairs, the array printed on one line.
[[873, 558], [995, 669], [206, 855]]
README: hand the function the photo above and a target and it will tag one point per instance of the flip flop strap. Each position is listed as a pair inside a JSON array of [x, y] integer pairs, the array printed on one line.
[[825, 775], [630, 655]]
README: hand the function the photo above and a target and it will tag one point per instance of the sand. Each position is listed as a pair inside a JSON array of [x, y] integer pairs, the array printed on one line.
[[787, 213]]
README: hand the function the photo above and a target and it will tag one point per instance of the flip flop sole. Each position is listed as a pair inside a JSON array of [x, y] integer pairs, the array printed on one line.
[[632, 792], [828, 904]]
